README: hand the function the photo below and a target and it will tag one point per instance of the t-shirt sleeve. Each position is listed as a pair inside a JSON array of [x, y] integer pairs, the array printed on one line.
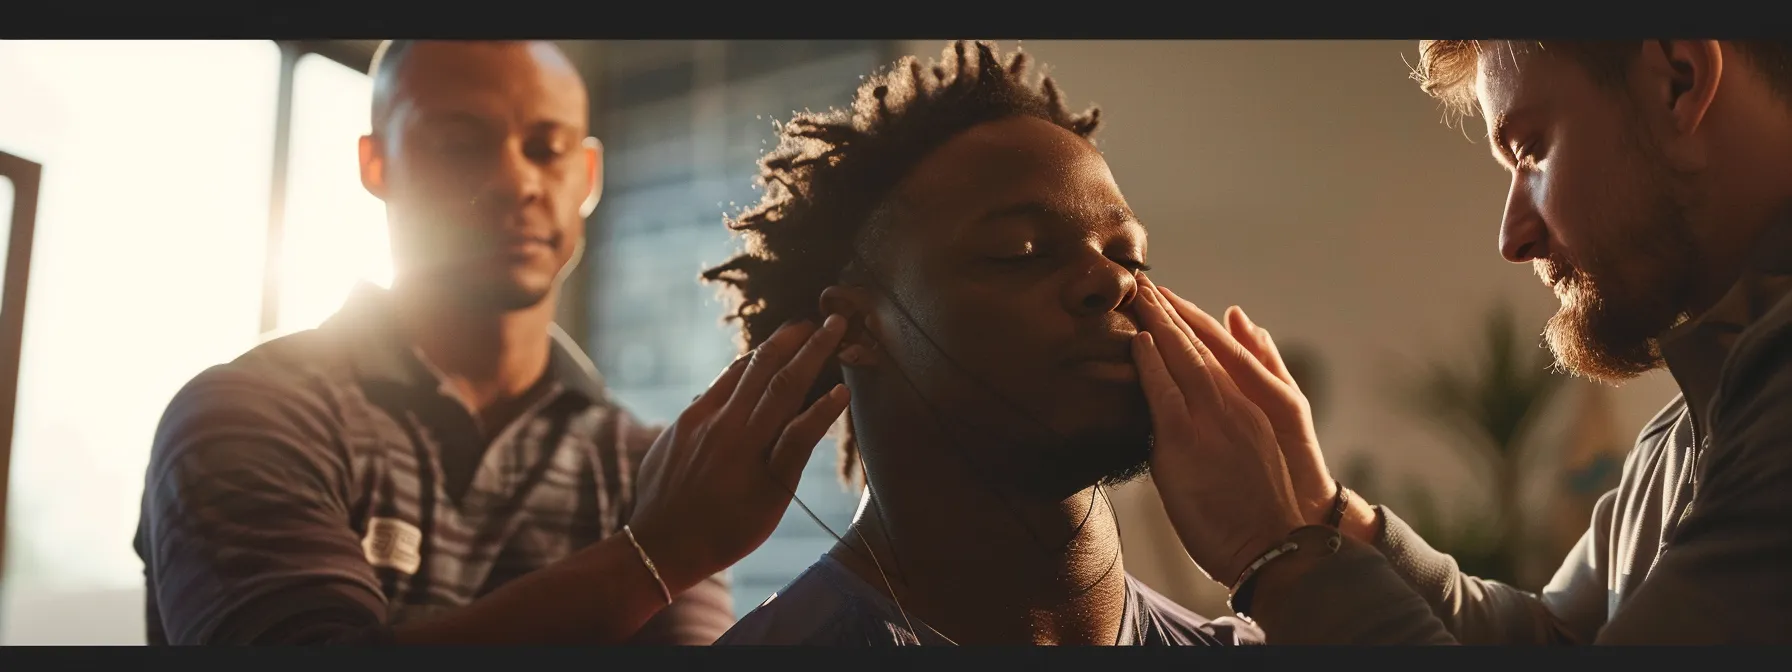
[[818, 609], [245, 528], [1181, 626]]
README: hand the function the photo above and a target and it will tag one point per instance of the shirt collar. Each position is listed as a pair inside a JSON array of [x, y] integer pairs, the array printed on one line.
[[1695, 351], [383, 355]]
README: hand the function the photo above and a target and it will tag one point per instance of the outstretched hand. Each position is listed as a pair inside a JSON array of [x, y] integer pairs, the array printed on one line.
[[715, 484], [1217, 461]]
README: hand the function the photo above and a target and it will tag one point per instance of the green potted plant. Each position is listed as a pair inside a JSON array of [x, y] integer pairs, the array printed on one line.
[[1490, 406]]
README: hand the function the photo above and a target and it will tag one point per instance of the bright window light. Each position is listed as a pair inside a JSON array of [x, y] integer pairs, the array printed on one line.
[[146, 269], [334, 232], [6, 200]]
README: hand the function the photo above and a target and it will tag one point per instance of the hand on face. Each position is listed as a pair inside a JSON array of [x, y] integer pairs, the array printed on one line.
[[1234, 436], [715, 484], [1246, 352]]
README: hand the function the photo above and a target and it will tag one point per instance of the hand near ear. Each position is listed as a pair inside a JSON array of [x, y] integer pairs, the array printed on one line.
[[715, 484], [858, 347]]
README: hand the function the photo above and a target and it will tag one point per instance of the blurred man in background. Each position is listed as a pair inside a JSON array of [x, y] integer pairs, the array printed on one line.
[[961, 221], [1652, 191], [439, 463]]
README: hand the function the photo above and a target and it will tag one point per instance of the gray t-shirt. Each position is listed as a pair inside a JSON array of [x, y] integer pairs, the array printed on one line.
[[828, 605]]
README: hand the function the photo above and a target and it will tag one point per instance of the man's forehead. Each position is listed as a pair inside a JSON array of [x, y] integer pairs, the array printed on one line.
[[1023, 153], [483, 64], [1498, 70], [486, 78]]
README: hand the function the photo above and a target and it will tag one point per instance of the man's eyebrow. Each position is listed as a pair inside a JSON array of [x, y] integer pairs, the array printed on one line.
[[1499, 135], [1027, 209], [1116, 212]]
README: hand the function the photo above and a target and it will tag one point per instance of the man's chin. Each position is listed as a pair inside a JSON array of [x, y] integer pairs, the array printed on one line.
[[501, 294], [1118, 477], [1108, 461], [1597, 347]]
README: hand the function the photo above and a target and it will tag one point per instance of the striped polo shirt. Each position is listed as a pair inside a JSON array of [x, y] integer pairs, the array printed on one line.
[[329, 482]]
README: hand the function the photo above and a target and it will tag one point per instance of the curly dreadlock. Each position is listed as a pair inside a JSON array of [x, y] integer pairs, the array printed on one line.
[[832, 172]]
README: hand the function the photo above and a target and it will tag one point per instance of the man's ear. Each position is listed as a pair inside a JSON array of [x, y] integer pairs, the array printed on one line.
[[1680, 79], [373, 166], [859, 347], [594, 163]]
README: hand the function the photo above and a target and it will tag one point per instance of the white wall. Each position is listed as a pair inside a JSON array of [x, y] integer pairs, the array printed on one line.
[[1313, 184]]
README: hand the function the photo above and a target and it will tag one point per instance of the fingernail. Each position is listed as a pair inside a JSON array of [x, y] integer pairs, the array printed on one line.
[[833, 322], [1145, 338], [839, 391]]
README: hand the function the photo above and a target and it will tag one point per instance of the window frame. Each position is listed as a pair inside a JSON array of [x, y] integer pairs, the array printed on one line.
[[25, 177], [16, 264], [357, 55]]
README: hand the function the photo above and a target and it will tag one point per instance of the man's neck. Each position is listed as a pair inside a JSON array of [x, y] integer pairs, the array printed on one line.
[[1747, 194], [492, 358], [982, 566]]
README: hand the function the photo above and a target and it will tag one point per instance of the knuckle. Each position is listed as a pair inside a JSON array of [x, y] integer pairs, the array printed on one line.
[[783, 383], [1259, 424], [1194, 354], [762, 353], [693, 416]]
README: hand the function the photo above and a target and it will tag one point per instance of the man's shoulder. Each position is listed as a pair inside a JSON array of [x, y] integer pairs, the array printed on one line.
[[816, 608], [284, 386], [285, 361], [1749, 419]]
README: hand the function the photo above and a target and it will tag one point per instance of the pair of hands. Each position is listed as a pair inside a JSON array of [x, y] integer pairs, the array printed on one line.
[[1236, 462]]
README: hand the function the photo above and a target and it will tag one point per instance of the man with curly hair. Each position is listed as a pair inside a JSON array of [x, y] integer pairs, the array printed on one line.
[[966, 228]]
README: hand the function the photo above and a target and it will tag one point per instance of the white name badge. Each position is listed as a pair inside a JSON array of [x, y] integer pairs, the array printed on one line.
[[394, 544]]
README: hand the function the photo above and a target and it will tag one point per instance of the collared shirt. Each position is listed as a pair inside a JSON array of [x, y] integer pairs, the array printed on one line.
[[1692, 547], [329, 481]]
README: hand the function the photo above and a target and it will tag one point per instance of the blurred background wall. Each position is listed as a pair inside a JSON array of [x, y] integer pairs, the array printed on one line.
[[197, 196]]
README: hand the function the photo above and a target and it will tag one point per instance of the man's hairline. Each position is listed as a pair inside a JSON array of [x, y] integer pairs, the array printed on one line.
[[385, 69]]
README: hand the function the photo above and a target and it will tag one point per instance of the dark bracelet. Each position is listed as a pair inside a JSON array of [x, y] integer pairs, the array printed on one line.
[[1311, 536], [1340, 502]]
